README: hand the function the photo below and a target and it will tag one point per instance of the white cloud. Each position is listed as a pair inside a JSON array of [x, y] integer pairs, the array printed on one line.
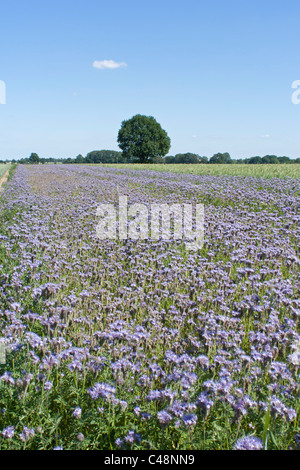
[[266, 136], [108, 64]]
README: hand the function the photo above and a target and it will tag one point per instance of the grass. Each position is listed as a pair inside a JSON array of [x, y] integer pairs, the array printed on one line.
[[256, 171], [3, 169]]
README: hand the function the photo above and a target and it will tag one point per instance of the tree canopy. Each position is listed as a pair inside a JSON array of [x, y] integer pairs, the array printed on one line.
[[34, 158], [186, 158], [104, 156], [220, 158], [270, 159], [142, 139]]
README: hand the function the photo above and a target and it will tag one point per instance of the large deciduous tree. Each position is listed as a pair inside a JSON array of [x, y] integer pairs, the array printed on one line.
[[34, 158], [142, 138]]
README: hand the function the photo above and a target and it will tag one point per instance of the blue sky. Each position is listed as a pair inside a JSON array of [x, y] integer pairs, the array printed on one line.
[[216, 75]]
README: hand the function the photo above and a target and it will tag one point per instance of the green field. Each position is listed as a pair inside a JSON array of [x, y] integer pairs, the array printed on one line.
[[3, 169], [257, 171]]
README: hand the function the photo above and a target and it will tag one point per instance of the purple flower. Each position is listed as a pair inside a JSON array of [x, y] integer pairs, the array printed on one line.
[[164, 417], [294, 358], [204, 403], [75, 365], [297, 440], [154, 395], [132, 437], [249, 443], [203, 361], [103, 390], [48, 385], [77, 412], [190, 420], [7, 378], [145, 416], [119, 442], [26, 434], [8, 432]]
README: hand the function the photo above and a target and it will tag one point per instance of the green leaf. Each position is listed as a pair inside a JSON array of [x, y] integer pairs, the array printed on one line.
[[267, 419]]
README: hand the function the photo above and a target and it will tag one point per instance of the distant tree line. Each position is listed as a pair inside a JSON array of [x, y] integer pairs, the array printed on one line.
[[224, 158], [96, 156], [113, 156], [142, 140]]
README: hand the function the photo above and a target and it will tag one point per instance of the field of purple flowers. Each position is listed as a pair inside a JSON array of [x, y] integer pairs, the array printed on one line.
[[142, 344]]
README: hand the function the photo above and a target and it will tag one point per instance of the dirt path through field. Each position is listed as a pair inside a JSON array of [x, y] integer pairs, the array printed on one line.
[[3, 179]]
